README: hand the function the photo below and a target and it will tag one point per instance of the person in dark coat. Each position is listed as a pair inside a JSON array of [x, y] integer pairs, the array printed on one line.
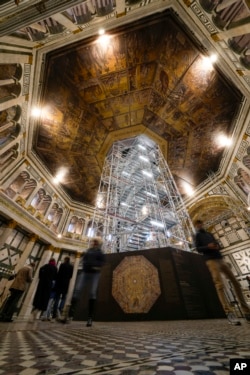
[[61, 286], [47, 278]]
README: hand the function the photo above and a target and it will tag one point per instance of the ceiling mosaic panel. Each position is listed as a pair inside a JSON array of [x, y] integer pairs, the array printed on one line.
[[150, 75]]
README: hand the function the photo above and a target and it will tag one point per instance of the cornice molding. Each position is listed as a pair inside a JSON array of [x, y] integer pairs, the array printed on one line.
[[33, 226]]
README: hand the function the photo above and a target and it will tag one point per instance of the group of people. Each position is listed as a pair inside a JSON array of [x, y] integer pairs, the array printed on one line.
[[52, 288], [53, 284]]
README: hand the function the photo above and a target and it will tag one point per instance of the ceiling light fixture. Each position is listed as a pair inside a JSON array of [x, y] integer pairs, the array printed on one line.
[[103, 40], [207, 62], [213, 58], [36, 112], [223, 140], [60, 176], [188, 189]]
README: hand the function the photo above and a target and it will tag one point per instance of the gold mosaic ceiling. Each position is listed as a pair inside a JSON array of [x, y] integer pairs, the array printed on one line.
[[149, 79]]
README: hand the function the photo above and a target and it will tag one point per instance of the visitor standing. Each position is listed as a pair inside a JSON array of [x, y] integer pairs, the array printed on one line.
[[47, 278], [23, 277], [64, 275]]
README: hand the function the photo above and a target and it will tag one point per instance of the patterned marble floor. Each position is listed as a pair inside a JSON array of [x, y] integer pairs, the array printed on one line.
[[201, 347]]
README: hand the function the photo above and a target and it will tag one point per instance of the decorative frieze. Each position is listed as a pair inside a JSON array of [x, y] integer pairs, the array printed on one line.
[[242, 149], [203, 17]]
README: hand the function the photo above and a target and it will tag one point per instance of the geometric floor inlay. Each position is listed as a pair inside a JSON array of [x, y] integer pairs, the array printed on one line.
[[202, 347]]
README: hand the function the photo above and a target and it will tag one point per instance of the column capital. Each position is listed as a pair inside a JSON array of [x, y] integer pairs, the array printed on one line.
[[50, 247], [34, 237], [187, 2], [12, 224]]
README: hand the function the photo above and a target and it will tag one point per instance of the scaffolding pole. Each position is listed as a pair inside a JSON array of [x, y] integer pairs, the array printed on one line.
[[138, 204]]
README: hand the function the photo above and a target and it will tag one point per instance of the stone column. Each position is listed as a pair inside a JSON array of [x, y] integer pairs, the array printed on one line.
[[7, 231], [12, 102], [73, 280], [84, 232], [32, 195], [9, 57], [65, 231], [56, 254], [14, 175], [231, 33], [9, 81], [225, 4], [26, 252], [4, 283]]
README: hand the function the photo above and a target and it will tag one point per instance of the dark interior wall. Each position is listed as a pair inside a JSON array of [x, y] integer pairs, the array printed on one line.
[[186, 289]]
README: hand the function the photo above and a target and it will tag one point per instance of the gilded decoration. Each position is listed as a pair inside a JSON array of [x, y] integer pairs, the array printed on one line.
[[136, 285], [149, 77]]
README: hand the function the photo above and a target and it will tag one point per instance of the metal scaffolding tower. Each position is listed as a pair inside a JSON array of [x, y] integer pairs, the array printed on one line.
[[138, 204]]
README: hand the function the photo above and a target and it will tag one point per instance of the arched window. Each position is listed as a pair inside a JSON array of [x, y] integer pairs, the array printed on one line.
[[44, 204], [79, 226], [92, 229], [72, 224], [28, 188], [8, 156], [103, 7], [41, 201], [55, 214], [10, 71], [80, 14], [57, 217], [9, 91], [52, 212], [240, 43], [17, 184], [38, 198], [53, 26]]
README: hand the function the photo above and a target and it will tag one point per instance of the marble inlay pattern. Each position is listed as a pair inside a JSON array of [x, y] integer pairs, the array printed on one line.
[[202, 347], [136, 284]]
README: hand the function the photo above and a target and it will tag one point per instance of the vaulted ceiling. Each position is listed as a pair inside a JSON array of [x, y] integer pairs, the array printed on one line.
[[149, 78]]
